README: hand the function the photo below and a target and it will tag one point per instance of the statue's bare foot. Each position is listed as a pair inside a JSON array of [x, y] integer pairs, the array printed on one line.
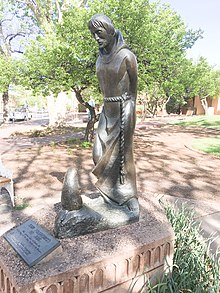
[[133, 205]]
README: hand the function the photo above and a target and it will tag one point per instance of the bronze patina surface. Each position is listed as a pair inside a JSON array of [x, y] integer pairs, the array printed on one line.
[[116, 69]]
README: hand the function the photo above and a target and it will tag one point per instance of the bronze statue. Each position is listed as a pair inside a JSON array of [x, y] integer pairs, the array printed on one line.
[[116, 69], [118, 205]]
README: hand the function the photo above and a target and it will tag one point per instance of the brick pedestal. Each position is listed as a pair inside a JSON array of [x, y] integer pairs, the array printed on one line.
[[110, 261]]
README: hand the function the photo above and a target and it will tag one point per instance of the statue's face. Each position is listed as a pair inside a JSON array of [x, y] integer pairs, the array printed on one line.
[[103, 38]]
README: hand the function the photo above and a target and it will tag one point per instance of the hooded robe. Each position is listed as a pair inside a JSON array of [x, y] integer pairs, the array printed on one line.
[[115, 82]]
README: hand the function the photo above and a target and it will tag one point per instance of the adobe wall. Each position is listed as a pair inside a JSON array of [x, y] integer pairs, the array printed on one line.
[[216, 105], [198, 106]]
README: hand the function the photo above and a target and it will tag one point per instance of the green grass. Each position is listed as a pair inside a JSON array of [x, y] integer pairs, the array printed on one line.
[[194, 269], [201, 121], [210, 145], [77, 142], [86, 144], [21, 204]]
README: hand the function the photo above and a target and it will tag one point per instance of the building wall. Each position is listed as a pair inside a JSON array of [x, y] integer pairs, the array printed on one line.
[[198, 106], [212, 103], [216, 105]]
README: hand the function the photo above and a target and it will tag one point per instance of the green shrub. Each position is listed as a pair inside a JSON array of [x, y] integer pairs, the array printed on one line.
[[194, 270]]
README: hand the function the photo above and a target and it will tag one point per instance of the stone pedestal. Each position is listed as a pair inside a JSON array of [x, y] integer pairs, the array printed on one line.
[[115, 260]]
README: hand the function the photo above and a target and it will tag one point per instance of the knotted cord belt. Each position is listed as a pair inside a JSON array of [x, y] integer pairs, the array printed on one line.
[[121, 99]]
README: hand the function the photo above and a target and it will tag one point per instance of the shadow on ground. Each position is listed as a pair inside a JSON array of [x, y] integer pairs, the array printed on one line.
[[164, 166]]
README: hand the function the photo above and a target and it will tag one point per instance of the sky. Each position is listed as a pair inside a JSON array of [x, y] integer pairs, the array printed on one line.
[[204, 14]]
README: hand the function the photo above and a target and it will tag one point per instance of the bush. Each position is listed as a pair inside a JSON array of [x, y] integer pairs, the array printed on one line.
[[194, 268]]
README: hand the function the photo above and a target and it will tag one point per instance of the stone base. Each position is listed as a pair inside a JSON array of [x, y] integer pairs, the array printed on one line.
[[94, 216], [114, 260]]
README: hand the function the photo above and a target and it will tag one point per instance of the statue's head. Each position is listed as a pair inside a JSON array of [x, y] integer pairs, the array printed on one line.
[[103, 30], [101, 20]]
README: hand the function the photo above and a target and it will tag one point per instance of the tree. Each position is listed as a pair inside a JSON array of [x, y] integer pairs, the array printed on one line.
[[184, 87], [6, 76], [12, 33], [148, 30], [66, 60], [159, 38], [53, 65], [20, 22], [204, 82], [44, 14], [217, 82], [47, 15]]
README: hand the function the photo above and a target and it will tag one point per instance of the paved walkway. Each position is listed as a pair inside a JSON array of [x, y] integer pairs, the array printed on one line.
[[9, 143], [154, 168]]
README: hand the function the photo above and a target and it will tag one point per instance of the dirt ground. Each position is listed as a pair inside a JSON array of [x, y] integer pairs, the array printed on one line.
[[165, 163]]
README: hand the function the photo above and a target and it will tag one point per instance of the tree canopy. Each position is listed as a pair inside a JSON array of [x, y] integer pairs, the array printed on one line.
[[66, 59], [62, 57]]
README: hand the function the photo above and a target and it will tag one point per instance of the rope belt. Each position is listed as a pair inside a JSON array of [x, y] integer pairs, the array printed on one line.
[[121, 99]]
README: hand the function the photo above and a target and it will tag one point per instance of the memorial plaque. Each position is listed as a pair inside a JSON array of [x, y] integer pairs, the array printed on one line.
[[31, 242]]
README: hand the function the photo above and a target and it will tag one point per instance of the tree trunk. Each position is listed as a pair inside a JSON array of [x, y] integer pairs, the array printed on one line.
[[163, 107], [205, 105], [5, 99], [51, 110], [89, 133], [144, 112]]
